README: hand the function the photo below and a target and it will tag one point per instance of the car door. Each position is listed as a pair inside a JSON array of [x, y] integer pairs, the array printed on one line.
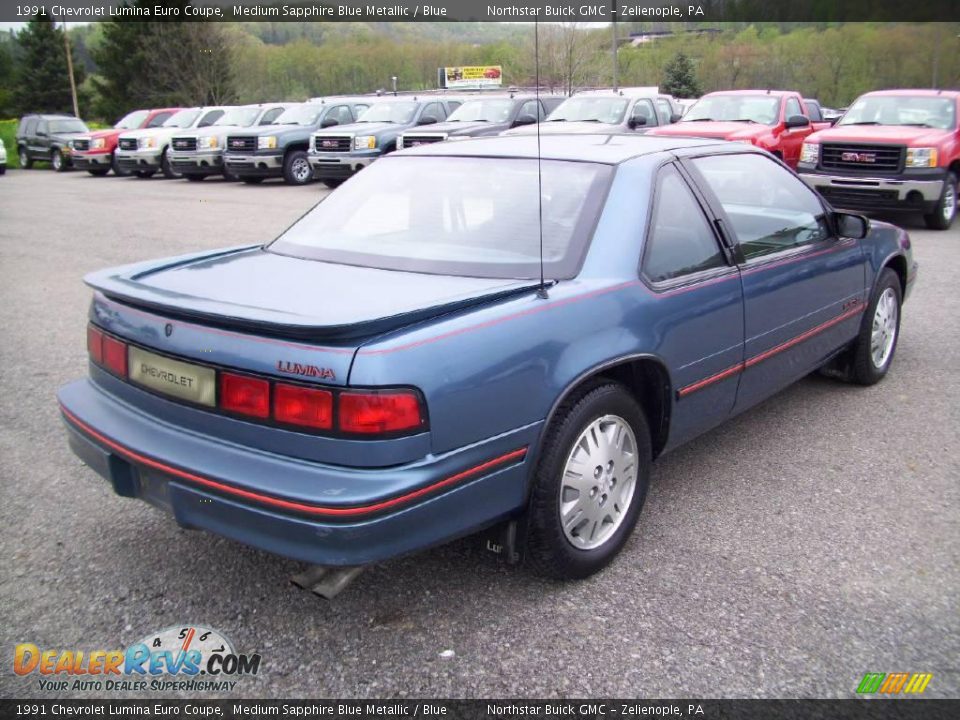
[[793, 138], [642, 116], [803, 287], [698, 305], [41, 140], [431, 113]]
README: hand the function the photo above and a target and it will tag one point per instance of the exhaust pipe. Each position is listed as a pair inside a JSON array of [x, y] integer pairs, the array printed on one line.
[[327, 582]]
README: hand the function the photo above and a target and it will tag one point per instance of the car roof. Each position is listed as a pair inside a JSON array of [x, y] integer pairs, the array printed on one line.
[[923, 92], [771, 93], [606, 148]]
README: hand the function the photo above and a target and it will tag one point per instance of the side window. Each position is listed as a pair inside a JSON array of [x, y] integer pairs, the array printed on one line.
[[159, 119], [343, 115], [813, 110], [433, 110], [531, 108], [270, 115], [453, 105], [792, 108], [643, 115], [769, 207], [29, 126], [210, 118], [41, 127], [357, 109], [680, 241], [664, 111]]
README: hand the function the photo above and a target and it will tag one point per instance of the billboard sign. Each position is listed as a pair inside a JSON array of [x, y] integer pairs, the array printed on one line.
[[477, 76]]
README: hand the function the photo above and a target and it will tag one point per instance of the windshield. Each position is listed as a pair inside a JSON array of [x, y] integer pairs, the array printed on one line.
[[762, 109], [300, 115], [182, 118], [68, 126], [919, 110], [493, 111], [467, 216], [390, 112], [132, 120], [240, 116], [590, 109]]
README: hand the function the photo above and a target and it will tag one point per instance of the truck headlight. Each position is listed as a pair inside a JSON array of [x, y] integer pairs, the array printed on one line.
[[810, 153], [207, 143], [267, 142], [921, 157], [145, 143], [364, 142], [98, 143]]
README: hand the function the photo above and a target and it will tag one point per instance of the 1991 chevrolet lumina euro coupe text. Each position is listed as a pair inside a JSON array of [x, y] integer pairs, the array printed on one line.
[[387, 374]]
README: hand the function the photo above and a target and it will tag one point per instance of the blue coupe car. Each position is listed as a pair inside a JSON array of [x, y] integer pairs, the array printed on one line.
[[391, 372]]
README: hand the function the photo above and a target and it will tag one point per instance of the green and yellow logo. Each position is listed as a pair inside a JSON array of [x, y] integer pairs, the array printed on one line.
[[894, 683]]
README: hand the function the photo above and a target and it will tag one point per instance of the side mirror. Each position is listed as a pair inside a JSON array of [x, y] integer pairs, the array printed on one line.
[[525, 120], [852, 226], [675, 117], [329, 122], [635, 122], [795, 121], [427, 121]]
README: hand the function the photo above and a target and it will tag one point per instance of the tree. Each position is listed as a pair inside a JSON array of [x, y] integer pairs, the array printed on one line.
[[680, 78], [43, 84]]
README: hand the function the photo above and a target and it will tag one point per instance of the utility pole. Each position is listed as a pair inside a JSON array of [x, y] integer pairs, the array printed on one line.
[[613, 40], [73, 83]]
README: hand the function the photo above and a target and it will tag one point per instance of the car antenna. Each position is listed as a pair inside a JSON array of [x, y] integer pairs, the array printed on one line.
[[542, 290]]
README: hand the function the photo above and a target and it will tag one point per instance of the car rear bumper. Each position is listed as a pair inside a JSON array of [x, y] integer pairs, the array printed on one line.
[[253, 165], [876, 193], [317, 513], [198, 163]]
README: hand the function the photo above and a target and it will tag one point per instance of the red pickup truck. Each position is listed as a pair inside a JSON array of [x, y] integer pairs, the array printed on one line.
[[775, 120], [94, 152], [892, 150]]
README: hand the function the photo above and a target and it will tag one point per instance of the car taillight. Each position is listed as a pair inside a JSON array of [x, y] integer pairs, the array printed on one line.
[[95, 344], [115, 356], [379, 412], [302, 406], [244, 395]]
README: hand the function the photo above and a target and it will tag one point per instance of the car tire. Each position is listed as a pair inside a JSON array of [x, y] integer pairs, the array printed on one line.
[[144, 173], [332, 182], [564, 547], [99, 172], [229, 176], [193, 177], [26, 162], [57, 162], [942, 218], [3, 169], [876, 344], [165, 167], [115, 166], [296, 168], [251, 180]]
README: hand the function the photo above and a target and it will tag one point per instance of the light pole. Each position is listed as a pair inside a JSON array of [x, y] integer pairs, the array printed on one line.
[[73, 83]]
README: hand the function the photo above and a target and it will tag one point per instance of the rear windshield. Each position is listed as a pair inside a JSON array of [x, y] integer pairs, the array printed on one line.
[[67, 126], [476, 217], [590, 109]]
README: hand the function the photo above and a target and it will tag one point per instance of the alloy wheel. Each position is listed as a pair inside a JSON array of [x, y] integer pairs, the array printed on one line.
[[300, 169], [949, 208], [884, 332]]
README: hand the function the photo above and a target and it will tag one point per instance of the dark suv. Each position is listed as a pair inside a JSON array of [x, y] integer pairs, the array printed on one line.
[[47, 138]]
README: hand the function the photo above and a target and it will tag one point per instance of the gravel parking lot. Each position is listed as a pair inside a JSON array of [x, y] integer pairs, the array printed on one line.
[[810, 541]]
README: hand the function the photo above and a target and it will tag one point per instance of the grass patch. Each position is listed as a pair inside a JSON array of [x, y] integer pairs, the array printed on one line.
[[8, 131]]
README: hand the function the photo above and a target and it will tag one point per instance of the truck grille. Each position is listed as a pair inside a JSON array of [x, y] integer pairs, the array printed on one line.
[[184, 143], [858, 198], [865, 158], [241, 143], [81, 144], [333, 143], [128, 143], [409, 141]]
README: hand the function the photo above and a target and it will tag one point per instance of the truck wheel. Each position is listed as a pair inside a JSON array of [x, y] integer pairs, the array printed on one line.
[[145, 173], [193, 177], [296, 168], [332, 182], [165, 167], [25, 162], [251, 180], [590, 483], [56, 161], [117, 170], [942, 217], [99, 172], [876, 344]]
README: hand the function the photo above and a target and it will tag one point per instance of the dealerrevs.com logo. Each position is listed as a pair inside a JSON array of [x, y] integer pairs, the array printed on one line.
[[179, 658]]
